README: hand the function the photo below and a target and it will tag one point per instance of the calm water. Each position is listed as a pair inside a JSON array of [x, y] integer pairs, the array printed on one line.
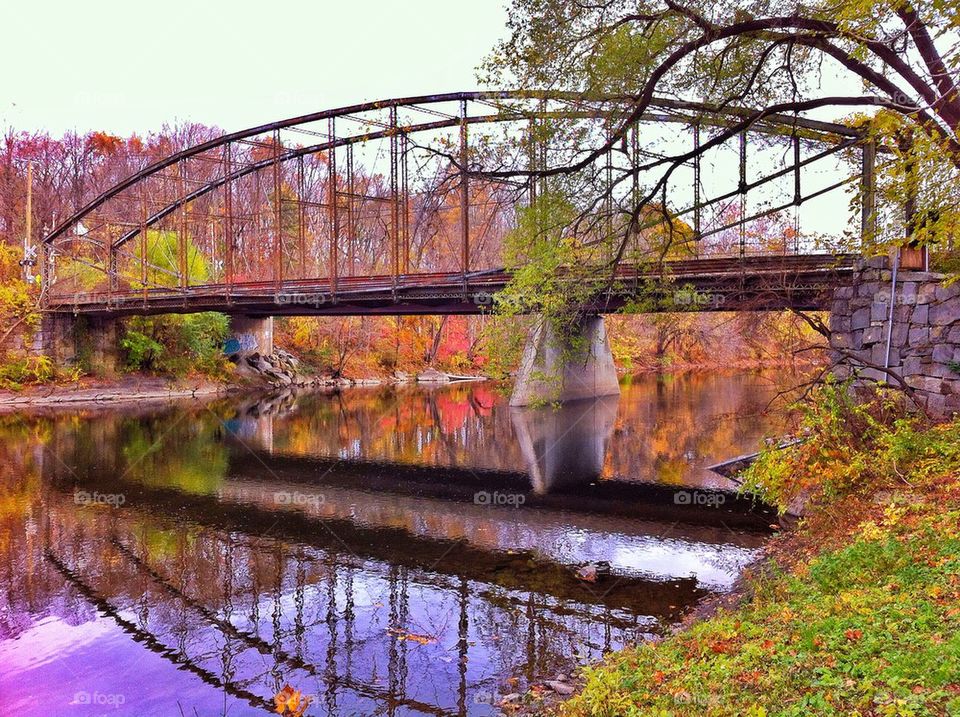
[[395, 551]]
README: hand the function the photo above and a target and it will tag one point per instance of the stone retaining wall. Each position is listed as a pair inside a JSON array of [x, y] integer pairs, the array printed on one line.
[[924, 336]]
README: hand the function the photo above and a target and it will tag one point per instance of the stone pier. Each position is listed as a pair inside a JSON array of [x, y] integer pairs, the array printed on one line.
[[911, 328], [552, 370], [250, 334], [93, 343]]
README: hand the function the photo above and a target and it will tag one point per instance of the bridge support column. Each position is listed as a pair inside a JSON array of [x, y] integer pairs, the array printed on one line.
[[558, 369], [250, 334], [93, 343], [909, 327]]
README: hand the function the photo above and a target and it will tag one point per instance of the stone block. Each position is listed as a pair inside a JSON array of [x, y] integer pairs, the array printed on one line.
[[839, 322], [937, 406], [926, 293], [945, 313], [871, 335], [930, 384], [901, 333], [945, 293], [841, 372], [952, 404], [944, 353], [912, 366], [918, 336], [840, 307], [872, 374], [917, 276], [941, 370], [879, 310], [951, 385], [843, 292], [921, 314], [860, 318], [877, 262], [878, 354], [870, 289], [907, 292], [841, 340]]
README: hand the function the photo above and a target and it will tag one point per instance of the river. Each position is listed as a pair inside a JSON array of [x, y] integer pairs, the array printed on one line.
[[391, 550]]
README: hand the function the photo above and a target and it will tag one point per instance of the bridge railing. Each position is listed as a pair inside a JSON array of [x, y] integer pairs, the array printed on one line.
[[430, 185]]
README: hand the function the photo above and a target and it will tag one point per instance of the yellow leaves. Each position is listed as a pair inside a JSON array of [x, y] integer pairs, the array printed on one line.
[[290, 702]]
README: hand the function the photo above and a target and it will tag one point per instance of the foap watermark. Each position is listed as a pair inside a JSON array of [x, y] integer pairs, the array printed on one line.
[[100, 699], [316, 300], [114, 500], [699, 497], [883, 297], [698, 299], [296, 498], [497, 498], [483, 298]]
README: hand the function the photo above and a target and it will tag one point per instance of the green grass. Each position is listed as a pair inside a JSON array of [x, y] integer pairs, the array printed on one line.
[[859, 616]]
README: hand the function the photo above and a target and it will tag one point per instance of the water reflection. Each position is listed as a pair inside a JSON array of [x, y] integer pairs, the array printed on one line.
[[352, 546], [564, 445]]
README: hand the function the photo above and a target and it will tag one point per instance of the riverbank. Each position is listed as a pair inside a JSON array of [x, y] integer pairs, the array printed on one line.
[[92, 392], [857, 612], [131, 388]]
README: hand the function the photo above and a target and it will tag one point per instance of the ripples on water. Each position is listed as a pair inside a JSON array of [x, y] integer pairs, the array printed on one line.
[[388, 551]]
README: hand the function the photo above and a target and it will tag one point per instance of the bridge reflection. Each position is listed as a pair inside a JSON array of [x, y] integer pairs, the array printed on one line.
[[387, 588]]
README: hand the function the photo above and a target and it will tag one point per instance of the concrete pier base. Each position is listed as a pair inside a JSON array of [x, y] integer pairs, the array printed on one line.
[[249, 334], [553, 371]]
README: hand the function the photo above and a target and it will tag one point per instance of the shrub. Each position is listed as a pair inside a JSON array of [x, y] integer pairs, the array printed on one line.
[[18, 371], [176, 345]]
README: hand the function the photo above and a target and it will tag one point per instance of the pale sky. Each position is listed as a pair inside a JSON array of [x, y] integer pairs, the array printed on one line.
[[130, 66], [125, 66]]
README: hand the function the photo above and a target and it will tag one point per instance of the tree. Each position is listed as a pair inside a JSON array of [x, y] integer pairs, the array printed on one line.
[[894, 61]]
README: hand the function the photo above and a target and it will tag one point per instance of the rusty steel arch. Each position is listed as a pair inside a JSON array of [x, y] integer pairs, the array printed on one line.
[[113, 224]]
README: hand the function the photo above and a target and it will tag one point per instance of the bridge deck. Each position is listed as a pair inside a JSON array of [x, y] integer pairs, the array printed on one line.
[[756, 283]]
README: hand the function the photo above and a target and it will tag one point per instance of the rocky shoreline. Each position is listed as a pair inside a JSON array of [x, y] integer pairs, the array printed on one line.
[[254, 372]]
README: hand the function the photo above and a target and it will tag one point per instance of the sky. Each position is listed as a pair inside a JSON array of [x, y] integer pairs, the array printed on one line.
[[131, 66]]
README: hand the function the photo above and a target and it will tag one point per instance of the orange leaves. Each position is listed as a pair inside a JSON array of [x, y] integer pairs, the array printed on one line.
[[750, 678], [723, 646], [290, 702], [104, 144], [852, 634], [411, 636]]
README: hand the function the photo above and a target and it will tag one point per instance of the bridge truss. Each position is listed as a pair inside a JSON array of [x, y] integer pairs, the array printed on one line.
[[407, 202]]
